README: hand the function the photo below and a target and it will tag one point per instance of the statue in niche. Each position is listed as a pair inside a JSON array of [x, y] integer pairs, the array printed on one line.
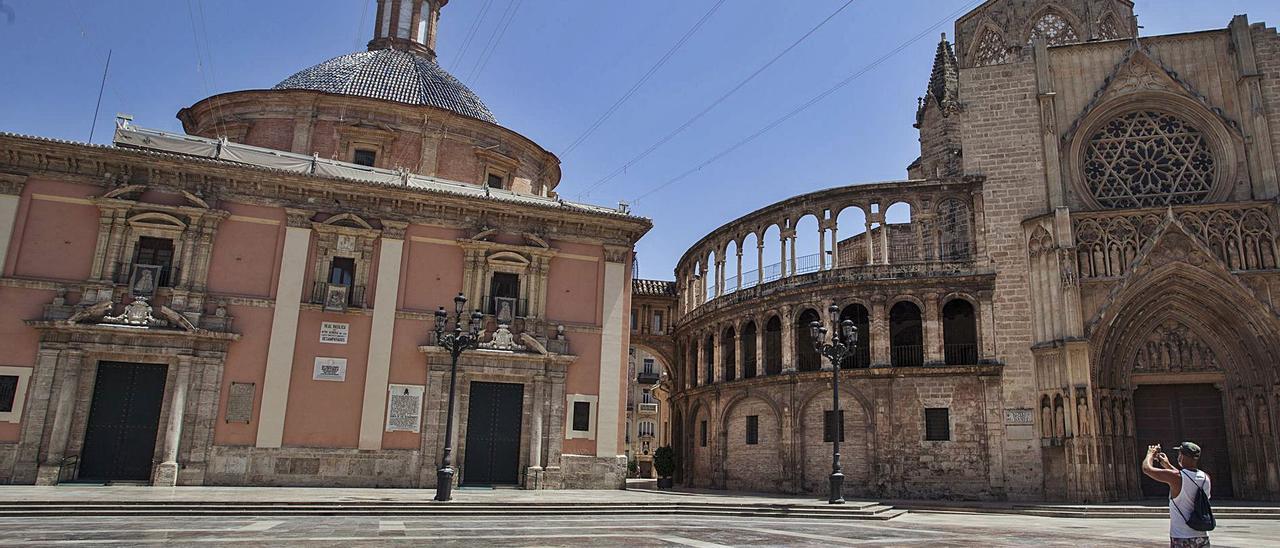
[[1046, 418], [1264, 417], [1082, 413], [1059, 418], [1173, 347], [1242, 417]]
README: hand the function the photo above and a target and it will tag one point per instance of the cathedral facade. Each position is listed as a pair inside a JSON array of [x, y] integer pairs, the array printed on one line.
[[256, 302], [1081, 263]]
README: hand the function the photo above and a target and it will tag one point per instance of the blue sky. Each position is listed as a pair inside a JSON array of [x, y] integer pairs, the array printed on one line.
[[550, 76]]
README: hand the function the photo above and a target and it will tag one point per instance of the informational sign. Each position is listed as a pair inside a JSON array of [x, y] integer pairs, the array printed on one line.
[[240, 402], [1018, 416], [330, 369], [333, 332], [404, 407]]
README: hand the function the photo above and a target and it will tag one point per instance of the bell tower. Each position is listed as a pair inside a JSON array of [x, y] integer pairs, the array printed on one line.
[[408, 25]]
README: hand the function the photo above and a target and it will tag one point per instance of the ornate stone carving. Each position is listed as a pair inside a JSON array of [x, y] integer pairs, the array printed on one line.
[[1241, 237], [1054, 29], [298, 218], [394, 229], [1148, 158], [619, 254], [502, 339], [12, 183], [1174, 347], [991, 49], [136, 313]]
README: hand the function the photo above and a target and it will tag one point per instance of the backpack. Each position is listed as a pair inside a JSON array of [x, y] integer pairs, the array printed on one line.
[[1201, 518]]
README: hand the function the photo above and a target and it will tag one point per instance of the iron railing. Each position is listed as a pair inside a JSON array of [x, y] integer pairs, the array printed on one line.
[[960, 354], [906, 355]]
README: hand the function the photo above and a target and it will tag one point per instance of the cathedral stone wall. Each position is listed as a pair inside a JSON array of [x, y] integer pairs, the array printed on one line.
[[1002, 133]]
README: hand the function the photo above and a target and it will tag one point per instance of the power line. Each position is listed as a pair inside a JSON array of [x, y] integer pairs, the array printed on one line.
[[101, 88], [508, 16], [471, 33], [364, 12], [662, 61], [819, 97], [623, 168]]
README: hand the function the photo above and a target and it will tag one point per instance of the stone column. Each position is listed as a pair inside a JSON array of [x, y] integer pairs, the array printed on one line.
[[871, 244], [71, 362], [792, 237], [822, 247], [759, 261], [782, 254], [378, 372], [613, 362], [533, 479], [933, 353], [699, 372], [166, 473], [986, 325], [284, 329], [720, 277], [884, 239], [788, 341], [739, 275], [739, 363], [759, 349], [717, 357], [879, 331], [835, 244], [10, 196]]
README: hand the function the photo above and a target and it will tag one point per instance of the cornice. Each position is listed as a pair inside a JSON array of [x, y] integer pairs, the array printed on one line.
[[92, 164]]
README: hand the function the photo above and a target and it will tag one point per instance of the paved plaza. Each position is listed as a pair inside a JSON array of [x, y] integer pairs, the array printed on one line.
[[915, 529]]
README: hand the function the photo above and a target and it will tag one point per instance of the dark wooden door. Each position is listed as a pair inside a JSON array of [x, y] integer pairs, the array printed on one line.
[[493, 434], [1169, 414], [120, 439]]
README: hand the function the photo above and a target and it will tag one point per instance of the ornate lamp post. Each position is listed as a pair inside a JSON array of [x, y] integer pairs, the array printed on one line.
[[842, 345], [455, 342]]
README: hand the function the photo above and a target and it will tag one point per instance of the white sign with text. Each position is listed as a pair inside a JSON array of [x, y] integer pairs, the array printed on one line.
[[334, 332], [330, 369]]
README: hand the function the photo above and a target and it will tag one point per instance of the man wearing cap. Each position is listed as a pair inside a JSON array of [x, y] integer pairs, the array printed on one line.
[[1181, 501]]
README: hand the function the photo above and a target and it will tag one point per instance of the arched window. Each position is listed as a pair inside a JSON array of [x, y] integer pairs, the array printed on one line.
[[861, 356], [749, 350], [1109, 28], [1055, 29], [807, 359], [954, 243], [709, 353], [959, 333], [773, 346], [1148, 158], [728, 349], [991, 50], [906, 338]]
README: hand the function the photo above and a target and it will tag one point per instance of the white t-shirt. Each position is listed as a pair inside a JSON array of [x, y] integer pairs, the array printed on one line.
[[1185, 503]]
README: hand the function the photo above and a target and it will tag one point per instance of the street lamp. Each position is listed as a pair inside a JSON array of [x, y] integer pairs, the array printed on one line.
[[842, 345], [455, 343]]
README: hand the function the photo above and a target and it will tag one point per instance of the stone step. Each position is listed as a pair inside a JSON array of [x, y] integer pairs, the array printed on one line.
[[1226, 512], [265, 511]]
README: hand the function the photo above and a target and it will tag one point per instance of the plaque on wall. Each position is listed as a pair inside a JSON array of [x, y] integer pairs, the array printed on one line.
[[144, 280], [404, 408], [1020, 416], [346, 242], [334, 332], [240, 402], [330, 369], [335, 298]]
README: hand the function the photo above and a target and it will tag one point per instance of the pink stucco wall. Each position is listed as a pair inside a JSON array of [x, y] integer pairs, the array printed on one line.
[[326, 413], [55, 239], [18, 341], [246, 253], [408, 366], [246, 362], [433, 270]]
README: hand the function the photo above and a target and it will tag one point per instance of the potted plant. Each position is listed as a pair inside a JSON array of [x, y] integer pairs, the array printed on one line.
[[664, 462]]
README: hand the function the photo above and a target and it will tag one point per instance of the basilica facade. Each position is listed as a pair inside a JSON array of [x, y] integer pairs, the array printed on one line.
[[1082, 262], [254, 302]]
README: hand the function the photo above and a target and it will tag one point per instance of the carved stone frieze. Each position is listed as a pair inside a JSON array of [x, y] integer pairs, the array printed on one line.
[[1174, 347]]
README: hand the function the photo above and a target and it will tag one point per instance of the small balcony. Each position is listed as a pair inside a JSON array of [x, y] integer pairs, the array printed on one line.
[[647, 377]]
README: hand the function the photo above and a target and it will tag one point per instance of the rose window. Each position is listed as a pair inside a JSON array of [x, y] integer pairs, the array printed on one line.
[[1148, 159], [1054, 29]]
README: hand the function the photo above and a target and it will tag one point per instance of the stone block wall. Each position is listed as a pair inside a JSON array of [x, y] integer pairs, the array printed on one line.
[[8, 456], [312, 467], [588, 472], [1002, 142]]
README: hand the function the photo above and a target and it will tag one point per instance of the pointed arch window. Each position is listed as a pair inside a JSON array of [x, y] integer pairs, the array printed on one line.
[[991, 50], [1109, 28], [1055, 30]]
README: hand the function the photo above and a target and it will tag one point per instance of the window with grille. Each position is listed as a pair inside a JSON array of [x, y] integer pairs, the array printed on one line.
[[829, 426], [702, 434], [753, 429], [646, 428], [156, 252], [991, 50], [8, 391], [582, 416], [496, 181], [1148, 159], [937, 424], [648, 367], [364, 157]]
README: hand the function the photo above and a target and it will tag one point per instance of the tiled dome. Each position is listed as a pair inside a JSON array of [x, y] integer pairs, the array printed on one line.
[[392, 75]]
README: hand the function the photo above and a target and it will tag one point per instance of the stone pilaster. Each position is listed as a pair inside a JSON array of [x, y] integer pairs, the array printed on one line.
[[166, 473], [386, 295], [284, 329]]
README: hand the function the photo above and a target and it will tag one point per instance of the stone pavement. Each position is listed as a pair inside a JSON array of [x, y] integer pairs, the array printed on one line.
[[922, 530]]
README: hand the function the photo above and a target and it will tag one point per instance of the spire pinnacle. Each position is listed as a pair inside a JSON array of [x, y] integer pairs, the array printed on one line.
[[944, 83]]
